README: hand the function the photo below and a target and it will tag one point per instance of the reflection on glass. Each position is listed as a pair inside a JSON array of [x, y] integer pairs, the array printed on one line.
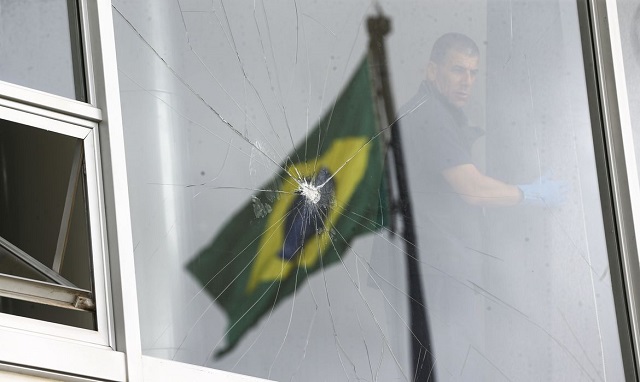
[[40, 46], [269, 221], [43, 226]]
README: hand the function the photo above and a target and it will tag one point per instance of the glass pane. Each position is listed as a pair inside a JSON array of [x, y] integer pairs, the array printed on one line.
[[42, 194], [14, 265], [270, 238], [40, 46]]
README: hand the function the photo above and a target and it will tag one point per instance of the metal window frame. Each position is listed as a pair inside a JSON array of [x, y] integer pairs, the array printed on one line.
[[59, 295], [41, 348], [89, 138], [104, 92], [617, 173], [77, 55]]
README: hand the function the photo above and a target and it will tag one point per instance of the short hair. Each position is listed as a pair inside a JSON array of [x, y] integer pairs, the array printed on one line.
[[453, 41]]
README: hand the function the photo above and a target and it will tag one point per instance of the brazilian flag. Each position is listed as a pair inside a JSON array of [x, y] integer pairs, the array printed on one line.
[[283, 235]]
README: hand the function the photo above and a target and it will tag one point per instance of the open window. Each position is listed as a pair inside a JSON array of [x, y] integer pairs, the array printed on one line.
[[45, 236], [52, 261], [53, 267]]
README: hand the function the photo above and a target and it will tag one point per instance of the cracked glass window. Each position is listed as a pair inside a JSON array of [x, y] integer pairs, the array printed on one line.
[[40, 46], [391, 190]]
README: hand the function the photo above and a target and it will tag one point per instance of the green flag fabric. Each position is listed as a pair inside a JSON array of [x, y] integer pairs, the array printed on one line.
[[283, 235]]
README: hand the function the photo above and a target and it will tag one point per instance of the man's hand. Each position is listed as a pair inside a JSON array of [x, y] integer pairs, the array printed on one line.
[[545, 191]]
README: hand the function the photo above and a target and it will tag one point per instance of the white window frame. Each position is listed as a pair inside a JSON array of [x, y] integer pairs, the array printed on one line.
[[51, 350], [101, 336]]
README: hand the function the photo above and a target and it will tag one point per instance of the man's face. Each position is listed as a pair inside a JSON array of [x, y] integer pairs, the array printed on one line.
[[454, 76]]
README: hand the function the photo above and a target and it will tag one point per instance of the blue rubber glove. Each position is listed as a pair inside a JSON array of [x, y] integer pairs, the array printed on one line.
[[544, 192]]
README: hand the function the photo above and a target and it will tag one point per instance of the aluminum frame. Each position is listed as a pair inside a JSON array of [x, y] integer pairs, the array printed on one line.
[[104, 93], [617, 173], [630, 191], [102, 335], [46, 293], [61, 351], [44, 102]]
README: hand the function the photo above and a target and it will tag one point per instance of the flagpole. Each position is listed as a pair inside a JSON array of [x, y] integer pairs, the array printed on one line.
[[421, 349]]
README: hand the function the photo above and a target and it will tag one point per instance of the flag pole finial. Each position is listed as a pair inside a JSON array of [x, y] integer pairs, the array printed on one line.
[[378, 25]]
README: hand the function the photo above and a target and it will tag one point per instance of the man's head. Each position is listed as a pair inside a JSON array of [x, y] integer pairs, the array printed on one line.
[[453, 67]]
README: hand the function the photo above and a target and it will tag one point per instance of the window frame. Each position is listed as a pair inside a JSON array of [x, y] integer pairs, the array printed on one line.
[[102, 335], [70, 353], [623, 177]]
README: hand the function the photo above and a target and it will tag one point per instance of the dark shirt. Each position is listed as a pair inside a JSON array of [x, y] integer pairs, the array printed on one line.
[[440, 138]]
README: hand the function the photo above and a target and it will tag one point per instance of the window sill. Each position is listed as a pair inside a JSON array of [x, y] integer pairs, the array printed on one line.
[[64, 356]]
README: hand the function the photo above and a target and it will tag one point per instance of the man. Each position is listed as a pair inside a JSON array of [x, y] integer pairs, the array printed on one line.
[[451, 74], [437, 110], [448, 188], [449, 193]]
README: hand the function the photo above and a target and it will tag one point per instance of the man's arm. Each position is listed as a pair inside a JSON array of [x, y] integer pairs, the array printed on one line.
[[478, 189]]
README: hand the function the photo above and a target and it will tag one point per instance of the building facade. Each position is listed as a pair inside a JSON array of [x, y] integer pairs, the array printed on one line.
[[156, 156]]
